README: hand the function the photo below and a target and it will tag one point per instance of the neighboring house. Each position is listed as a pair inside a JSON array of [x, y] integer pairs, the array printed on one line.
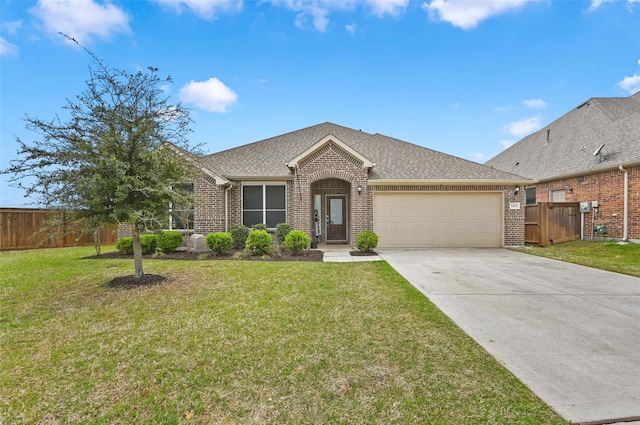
[[350, 181], [590, 154]]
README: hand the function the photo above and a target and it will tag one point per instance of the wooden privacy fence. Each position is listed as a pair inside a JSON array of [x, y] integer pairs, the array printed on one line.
[[26, 229], [551, 222]]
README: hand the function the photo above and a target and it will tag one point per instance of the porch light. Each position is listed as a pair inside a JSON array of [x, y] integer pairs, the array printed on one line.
[[359, 189], [516, 190]]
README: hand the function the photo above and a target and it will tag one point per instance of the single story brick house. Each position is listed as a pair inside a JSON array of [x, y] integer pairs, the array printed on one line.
[[591, 154], [334, 182]]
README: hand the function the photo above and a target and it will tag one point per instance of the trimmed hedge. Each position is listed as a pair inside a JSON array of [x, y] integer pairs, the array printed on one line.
[[297, 241], [169, 240], [258, 242], [367, 241], [125, 245], [220, 242], [147, 243], [239, 234], [282, 230]]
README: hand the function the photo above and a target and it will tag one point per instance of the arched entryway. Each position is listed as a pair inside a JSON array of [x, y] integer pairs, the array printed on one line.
[[331, 212]]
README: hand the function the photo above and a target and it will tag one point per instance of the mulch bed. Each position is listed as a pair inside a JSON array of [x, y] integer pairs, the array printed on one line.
[[239, 255], [363, 253], [130, 282]]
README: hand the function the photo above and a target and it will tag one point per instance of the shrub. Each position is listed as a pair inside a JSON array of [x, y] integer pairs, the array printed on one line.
[[282, 230], [259, 226], [169, 241], [220, 242], [367, 241], [258, 242], [125, 245], [296, 241], [239, 234], [148, 243]]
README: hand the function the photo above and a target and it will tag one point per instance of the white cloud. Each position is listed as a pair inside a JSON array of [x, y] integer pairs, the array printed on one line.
[[211, 95], [8, 49], [205, 9], [11, 27], [315, 13], [81, 19], [351, 29], [523, 126], [479, 156], [467, 14], [380, 8], [595, 4], [630, 84], [504, 108], [506, 143], [535, 103]]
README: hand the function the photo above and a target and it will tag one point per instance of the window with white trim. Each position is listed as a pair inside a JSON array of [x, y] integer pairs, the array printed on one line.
[[264, 203]]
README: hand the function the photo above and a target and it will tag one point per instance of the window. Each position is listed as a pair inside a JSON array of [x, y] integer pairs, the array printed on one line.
[[530, 195], [264, 204], [181, 217], [558, 195]]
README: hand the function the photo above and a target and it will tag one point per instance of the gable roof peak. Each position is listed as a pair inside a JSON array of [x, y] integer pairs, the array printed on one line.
[[330, 138]]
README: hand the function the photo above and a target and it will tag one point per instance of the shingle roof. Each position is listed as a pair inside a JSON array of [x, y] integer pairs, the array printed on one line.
[[394, 159], [399, 160], [566, 146], [268, 157]]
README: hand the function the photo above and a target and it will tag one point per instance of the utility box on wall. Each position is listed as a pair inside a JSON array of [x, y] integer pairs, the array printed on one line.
[[585, 207]]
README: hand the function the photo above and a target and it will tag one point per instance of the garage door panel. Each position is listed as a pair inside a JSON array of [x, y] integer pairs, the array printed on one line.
[[417, 220]]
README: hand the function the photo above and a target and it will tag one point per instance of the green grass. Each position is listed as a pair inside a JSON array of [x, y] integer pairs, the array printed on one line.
[[233, 342], [610, 256]]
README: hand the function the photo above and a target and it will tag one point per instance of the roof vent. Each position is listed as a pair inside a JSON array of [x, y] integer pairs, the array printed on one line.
[[548, 134], [583, 104]]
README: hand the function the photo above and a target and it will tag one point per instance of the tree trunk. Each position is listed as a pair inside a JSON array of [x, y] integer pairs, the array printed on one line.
[[96, 241], [137, 254]]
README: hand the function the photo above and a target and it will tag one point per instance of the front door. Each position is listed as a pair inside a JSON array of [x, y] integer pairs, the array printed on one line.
[[336, 219]]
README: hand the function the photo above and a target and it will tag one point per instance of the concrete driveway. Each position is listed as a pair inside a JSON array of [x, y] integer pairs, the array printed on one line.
[[570, 333]]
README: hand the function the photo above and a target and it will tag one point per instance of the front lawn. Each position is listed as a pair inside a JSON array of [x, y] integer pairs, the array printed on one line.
[[233, 342], [610, 256]]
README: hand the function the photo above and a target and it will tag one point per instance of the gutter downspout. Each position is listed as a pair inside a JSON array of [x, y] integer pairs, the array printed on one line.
[[226, 207], [625, 231]]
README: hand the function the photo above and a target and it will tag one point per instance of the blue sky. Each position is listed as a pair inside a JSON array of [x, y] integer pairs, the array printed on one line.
[[467, 78]]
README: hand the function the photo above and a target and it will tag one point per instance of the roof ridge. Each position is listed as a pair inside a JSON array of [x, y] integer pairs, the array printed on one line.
[[287, 134]]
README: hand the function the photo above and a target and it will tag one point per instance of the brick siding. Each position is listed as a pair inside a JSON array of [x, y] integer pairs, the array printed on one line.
[[332, 171], [209, 210], [606, 187]]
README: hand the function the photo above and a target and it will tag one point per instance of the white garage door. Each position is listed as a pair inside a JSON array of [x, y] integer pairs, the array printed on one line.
[[438, 220]]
